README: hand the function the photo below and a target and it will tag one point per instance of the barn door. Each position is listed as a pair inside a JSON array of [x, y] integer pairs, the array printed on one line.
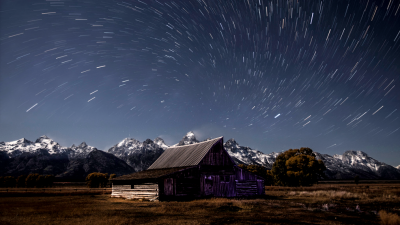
[[169, 186], [208, 185]]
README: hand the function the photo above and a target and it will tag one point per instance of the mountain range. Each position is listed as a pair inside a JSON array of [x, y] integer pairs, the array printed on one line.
[[45, 156]]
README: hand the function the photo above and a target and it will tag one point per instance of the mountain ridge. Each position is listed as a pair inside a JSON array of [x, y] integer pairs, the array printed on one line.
[[23, 156]]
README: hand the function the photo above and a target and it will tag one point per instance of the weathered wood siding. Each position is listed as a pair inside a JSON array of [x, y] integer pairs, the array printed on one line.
[[169, 186], [246, 188], [248, 184], [260, 187], [137, 191], [117, 190], [217, 156]]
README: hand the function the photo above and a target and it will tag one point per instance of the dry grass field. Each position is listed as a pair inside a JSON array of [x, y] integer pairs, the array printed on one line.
[[321, 204]]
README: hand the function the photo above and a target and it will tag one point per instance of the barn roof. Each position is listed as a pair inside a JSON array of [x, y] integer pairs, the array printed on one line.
[[187, 155], [150, 174]]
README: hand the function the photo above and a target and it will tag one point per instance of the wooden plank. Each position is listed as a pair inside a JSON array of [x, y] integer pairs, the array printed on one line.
[[148, 189]]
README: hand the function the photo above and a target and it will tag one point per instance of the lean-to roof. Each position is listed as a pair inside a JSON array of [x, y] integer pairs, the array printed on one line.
[[150, 174]]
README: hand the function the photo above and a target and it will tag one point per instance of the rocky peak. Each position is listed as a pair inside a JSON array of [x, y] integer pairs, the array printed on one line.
[[148, 142], [83, 145], [231, 143], [188, 139], [42, 138], [127, 142], [160, 142]]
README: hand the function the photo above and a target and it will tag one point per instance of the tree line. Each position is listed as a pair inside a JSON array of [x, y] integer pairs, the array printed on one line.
[[30, 181], [294, 167], [93, 180]]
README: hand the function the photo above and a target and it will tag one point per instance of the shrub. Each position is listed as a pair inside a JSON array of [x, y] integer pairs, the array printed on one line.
[[389, 218]]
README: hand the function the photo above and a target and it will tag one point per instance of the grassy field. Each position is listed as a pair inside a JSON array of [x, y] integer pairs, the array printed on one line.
[[321, 204]]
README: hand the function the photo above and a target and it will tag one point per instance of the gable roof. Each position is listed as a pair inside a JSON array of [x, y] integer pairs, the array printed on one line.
[[150, 174], [187, 155]]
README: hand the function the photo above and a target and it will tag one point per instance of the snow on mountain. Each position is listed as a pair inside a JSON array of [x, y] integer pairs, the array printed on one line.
[[246, 155], [15, 148], [139, 155], [130, 146], [81, 150], [188, 139], [43, 143], [160, 142]]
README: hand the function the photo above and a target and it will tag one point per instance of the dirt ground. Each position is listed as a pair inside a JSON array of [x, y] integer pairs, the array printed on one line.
[[320, 204]]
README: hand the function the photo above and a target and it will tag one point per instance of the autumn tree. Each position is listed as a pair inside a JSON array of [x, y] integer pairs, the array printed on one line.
[[95, 180], [21, 181], [30, 180], [297, 167]]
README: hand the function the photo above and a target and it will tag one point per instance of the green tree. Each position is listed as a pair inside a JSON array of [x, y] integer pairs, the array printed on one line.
[[30, 180], [297, 167], [260, 171], [21, 181], [95, 180]]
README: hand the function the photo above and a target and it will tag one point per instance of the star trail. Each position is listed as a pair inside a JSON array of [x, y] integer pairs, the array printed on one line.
[[273, 74]]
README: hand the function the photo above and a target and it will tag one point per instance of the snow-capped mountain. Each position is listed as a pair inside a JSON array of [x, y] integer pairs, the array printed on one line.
[[44, 143], [130, 146], [45, 156], [81, 150], [353, 163], [15, 148], [398, 167], [188, 139], [139, 155], [246, 155]]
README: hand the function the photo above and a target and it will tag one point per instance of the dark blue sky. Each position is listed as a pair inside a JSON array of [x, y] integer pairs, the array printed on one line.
[[273, 75]]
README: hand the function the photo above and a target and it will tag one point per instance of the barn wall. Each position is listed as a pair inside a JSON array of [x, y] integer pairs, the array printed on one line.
[[182, 183], [136, 191], [248, 184], [117, 190]]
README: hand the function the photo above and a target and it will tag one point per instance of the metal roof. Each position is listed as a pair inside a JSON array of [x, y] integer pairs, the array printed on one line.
[[187, 155]]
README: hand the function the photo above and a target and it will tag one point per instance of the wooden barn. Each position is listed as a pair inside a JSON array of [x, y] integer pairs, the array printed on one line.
[[203, 169]]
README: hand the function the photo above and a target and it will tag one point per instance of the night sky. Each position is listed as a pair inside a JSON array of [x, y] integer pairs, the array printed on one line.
[[273, 75]]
